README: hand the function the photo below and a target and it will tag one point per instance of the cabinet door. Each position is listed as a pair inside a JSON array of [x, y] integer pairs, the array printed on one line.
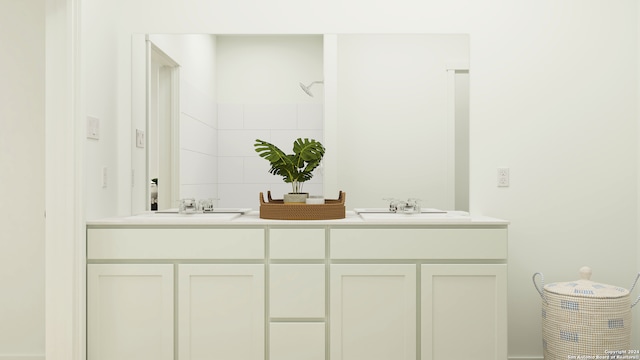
[[373, 312], [464, 304], [221, 311], [129, 312]]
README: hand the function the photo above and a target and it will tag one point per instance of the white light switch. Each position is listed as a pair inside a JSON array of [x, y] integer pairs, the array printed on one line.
[[93, 128], [139, 138]]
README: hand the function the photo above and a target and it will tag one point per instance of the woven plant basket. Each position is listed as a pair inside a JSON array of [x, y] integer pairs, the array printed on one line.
[[276, 209], [583, 319]]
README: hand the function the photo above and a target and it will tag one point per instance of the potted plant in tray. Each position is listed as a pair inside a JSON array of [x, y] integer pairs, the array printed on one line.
[[294, 168]]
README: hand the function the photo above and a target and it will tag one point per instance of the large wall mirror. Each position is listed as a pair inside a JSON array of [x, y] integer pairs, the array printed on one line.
[[392, 111]]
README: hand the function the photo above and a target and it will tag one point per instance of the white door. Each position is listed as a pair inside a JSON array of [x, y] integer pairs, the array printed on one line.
[[221, 311], [373, 312], [130, 312], [464, 305]]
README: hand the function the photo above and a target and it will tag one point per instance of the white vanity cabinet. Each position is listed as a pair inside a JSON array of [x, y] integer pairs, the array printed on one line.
[[314, 290], [130, 312], [373, 311], [463, 304], [175, 293], [220, 311], [425, 290]]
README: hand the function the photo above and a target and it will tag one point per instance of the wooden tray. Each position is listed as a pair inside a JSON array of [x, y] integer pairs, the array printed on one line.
[[276, 209]]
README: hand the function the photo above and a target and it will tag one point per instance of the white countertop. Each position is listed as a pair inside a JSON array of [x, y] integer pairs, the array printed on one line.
[[252, 218]]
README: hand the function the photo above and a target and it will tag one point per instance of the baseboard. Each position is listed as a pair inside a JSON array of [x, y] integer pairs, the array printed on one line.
[[22, 357]]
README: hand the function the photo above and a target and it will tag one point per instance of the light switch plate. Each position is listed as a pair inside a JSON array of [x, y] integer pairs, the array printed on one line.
[[139, 138], [93, 128]]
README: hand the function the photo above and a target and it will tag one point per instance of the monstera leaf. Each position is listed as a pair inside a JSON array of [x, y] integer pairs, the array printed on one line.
[[309, 152], [281, 163], [294, 168]]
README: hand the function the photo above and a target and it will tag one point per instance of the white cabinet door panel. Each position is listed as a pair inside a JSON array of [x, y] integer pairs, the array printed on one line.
[[373, 312], [221, 311], [464, 305], [130, 312]]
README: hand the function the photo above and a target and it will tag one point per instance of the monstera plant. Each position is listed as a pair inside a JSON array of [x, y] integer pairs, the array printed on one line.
[[294, 168]]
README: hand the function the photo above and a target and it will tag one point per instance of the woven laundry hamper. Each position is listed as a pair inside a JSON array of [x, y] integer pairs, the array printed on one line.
[[583, 319]]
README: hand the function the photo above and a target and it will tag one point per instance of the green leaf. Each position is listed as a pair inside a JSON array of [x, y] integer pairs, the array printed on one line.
[[296, 167]]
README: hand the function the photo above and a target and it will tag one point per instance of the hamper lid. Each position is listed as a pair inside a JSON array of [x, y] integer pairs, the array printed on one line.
[[586, 288]]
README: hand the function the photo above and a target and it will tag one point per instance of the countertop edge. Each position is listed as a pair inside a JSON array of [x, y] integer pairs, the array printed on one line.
[[253, 219]]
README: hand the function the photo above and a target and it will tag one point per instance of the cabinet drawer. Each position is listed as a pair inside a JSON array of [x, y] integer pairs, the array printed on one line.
[[175, 243], [419, 243], [297, 290], [290, 341], [297, 243]]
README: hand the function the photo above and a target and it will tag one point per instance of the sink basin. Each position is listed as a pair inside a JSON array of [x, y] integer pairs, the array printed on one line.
[[427, 215], [215, 211], [386, 211], [187, 217], [196, 217]]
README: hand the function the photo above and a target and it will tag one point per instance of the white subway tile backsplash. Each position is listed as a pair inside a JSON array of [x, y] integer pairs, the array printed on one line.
[[317, 177], [199, 191], [231, 169], [197, 168], [222, 160], [270, 116], [277, 190], [239, 142], [241, 195], [230, 116], [197, 136], [311, 116], [256, 171], [197, 104], [284, 138], [316, 190]]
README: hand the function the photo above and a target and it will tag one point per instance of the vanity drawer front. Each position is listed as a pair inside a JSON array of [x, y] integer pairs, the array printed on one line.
[[437, 244], [296, 243], [175, 243], [297, 341], [297, 290]]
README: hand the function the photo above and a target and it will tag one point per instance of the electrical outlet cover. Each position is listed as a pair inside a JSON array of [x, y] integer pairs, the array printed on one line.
[[503, 177]]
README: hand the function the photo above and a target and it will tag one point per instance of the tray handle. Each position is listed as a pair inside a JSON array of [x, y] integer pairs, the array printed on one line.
[[541, 286]]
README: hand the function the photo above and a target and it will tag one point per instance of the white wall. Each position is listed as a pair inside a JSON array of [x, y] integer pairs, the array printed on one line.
[[22, 66], [555, 100], [112, 150], [554, 94]]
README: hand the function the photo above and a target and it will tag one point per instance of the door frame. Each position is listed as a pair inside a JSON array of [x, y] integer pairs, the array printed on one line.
[[168, 113]]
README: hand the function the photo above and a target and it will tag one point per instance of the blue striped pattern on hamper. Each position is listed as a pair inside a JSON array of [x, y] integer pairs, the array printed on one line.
[[568, 336], [616, 323], [569, 305], [583, 292]]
